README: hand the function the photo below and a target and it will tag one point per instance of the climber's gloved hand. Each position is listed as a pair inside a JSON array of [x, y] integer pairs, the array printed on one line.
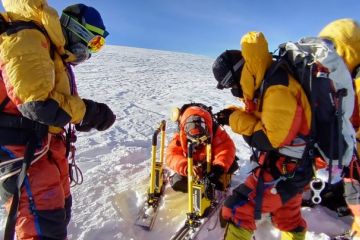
[[223, 116], [215, 175], [97, 115]]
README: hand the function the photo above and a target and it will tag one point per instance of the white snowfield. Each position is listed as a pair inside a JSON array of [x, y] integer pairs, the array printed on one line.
[[141, 86]]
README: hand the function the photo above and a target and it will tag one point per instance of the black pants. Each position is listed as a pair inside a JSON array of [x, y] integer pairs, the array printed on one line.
[[179, 183]]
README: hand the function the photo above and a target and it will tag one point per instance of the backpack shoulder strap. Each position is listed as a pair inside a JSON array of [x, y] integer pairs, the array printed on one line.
[[277, 74], [11, 27], [16, 26], [215, 125], [4, 103]]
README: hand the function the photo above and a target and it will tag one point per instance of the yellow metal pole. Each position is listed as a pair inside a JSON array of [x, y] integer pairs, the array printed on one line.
[[152, 173], [190, 177], [162, 144], [153, 159], [208, 157]]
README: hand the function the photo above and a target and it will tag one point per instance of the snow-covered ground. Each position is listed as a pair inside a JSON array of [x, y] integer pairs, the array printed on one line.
[[141, 86]]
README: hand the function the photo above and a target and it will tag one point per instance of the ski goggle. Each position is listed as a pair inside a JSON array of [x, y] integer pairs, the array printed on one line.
[[85, 32], [196, 129]]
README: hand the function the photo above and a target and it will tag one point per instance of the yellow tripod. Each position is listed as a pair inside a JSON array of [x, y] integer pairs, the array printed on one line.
[[147, 214], [198, 202], [156, 175]]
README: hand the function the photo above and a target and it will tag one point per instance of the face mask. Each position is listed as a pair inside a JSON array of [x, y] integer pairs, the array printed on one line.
[[236, 92], [81, 52]]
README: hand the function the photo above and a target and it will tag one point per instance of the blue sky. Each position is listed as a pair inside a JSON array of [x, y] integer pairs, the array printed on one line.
[[208, 27]]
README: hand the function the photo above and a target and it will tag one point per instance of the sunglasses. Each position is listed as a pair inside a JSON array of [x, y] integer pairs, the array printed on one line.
[[85, 32], [228, 80]]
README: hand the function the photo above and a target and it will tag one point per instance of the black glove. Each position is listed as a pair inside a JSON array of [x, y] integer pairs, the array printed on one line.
[[209, 188], [214, 176], [212, 182], [223, 116], [97, 115]]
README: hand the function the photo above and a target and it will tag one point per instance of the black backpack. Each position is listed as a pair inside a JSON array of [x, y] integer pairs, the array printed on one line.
[[327, 83]]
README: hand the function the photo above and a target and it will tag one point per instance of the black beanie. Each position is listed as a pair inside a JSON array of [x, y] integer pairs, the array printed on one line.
[[227, 68]]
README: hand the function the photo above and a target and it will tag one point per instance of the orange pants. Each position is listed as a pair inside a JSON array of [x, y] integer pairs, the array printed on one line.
[[48, 182], [240, 206], [352, 194]]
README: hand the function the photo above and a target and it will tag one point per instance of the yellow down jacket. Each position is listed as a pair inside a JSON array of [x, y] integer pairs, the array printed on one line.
[[36, 78], [285, 112], [345, 34]]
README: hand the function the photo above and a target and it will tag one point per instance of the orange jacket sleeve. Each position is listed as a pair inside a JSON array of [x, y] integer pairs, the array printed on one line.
[[223, 149], [175, 158]]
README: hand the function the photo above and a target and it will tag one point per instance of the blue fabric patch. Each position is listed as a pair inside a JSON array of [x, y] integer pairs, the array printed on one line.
[[233, 210], [8, 152], [32, 206]]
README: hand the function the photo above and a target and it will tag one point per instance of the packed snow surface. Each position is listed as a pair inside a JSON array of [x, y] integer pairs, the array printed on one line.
[[141, 86]]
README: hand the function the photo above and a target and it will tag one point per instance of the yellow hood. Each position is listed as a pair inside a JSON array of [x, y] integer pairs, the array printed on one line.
[[257, 60], [345, 34], [40, 12]]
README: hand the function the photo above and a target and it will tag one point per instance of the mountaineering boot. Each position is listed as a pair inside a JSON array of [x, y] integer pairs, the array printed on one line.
[[237, 233], [293, 235]]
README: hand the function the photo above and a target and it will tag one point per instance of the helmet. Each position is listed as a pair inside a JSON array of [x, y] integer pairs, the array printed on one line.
[[195, 129], [227, 68], [86, 15], [83, 24]]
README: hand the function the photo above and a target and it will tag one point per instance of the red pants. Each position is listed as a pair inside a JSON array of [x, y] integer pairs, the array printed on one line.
[[352, 194], [240, 206], [48, 183]]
